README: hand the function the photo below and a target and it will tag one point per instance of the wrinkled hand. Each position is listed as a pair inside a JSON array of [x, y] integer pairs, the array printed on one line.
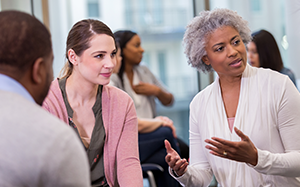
[[146, 89], [174, 161], [167, 122], [242, 151]]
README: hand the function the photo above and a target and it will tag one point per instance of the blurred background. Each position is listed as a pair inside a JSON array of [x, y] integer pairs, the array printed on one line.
[[161, 25]]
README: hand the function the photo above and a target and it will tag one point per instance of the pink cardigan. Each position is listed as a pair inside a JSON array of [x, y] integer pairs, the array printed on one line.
[[121, 159]]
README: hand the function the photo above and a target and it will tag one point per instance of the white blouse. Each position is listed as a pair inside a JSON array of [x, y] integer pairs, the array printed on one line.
[[268, 112]]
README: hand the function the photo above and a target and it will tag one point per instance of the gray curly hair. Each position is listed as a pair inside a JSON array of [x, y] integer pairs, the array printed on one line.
[[207, 22]]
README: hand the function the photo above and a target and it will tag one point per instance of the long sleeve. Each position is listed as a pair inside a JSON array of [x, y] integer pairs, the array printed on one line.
[[127, 153], [287, 163], [121, 159], [199, 172]]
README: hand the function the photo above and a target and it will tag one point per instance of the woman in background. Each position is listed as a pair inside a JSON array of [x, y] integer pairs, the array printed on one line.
[[103, 116], [143, 87], [263, 52]]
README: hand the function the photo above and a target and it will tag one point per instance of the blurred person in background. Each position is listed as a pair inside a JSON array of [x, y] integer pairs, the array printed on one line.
[[263, 52], [143, 87]]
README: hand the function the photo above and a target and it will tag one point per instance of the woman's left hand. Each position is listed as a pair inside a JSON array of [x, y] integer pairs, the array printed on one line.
[[242, 151]]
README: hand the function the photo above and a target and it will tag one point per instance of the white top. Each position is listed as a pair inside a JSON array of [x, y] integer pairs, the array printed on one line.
[[267, 112]]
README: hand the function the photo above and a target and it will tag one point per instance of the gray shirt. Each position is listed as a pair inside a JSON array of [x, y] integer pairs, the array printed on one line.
[[36, 148]]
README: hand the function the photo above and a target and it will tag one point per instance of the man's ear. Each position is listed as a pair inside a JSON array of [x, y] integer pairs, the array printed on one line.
[[205, 60], [72, 56], [37, 71]]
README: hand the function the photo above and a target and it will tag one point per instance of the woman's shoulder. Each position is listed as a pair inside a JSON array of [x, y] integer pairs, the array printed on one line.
[[268, 75], [54, 92], [203, 95]]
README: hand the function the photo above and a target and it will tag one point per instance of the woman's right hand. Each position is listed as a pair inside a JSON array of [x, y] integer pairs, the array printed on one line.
[[178, 165]]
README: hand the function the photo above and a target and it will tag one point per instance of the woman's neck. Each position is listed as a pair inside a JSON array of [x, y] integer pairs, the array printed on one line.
[[80, 91], [230, 82], [129, 72]]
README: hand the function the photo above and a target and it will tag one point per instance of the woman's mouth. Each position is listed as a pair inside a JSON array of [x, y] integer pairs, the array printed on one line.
[[236, 63], [107, 75]]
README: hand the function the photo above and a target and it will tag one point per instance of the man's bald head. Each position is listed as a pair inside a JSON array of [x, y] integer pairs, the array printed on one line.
[[23, 39]]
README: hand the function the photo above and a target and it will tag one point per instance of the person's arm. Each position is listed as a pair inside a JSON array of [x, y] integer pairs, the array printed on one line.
[[198, 172], [148, 89], [164, 97], [146, 125], [152, 86], [129, 170], [288, 163]]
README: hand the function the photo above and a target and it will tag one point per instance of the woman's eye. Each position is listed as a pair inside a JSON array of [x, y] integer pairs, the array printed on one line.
[[219, 49], [236, 42], [113, 54], [99, 56]]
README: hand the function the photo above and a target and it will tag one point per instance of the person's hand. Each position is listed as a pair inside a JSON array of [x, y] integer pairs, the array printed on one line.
[[178, 165], [146, 89], [167, 122], [242, 151]]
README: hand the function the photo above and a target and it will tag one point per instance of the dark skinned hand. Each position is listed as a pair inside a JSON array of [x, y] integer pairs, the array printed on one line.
[[241, 151]]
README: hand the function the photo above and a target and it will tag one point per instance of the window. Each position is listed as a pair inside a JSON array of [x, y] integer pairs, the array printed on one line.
[[93, 8]]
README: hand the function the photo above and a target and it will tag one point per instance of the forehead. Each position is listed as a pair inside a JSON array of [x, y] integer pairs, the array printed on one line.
[[251, 45], [221, 35], [102, 41], [135, 39]]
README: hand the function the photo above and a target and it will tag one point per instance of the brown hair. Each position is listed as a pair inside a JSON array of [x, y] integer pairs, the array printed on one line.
[[79, 39], [123, 37], [23, 39], [268, 51]]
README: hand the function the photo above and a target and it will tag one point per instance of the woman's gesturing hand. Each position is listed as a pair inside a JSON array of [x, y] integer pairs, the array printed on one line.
[[178, 165], [242, 151]]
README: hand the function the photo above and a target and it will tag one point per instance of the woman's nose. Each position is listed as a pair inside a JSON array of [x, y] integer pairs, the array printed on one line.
[[231, 51], [111, 62]]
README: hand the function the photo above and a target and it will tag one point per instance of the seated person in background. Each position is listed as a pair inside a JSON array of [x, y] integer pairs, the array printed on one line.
[[103, 116], [263, 52], [244, 127], [143, 87], [36, 148]]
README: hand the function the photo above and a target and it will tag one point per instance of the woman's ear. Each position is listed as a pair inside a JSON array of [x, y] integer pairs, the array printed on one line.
[[205, 60], [72, 56]]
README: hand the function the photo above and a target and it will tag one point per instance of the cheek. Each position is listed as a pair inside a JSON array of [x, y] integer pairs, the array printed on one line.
[[90, 67]]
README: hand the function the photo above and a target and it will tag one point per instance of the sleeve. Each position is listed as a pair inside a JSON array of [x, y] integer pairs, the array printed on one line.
[[129, 168], [66, 162], [287, 163], [199, 172]]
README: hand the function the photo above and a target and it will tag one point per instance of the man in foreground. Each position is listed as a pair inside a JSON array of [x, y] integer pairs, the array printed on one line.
[[36, 149]]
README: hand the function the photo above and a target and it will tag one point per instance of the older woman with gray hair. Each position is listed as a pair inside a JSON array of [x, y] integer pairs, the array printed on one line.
[[244, 127]]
